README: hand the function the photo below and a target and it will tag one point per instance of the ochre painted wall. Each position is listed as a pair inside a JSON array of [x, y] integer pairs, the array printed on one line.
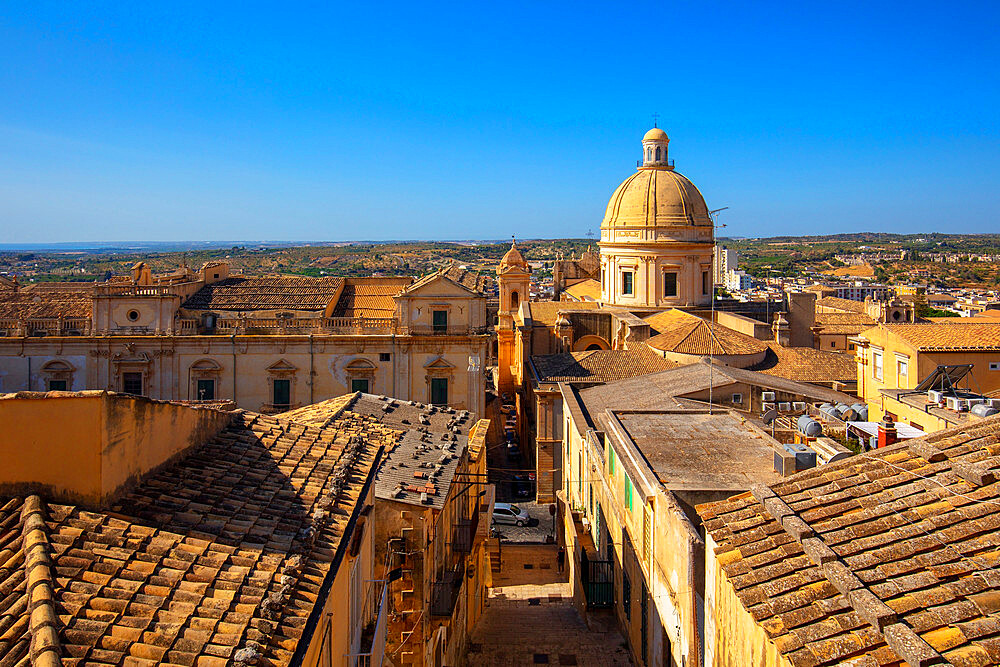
[[83, 447]]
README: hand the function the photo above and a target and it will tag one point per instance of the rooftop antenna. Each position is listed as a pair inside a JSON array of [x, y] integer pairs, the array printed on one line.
[[714, 216]]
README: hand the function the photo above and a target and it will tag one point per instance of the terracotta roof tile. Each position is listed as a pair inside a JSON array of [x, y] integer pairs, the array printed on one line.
[[370, 297], [226, 545], [266, 293], [26, 304], [586, 288], [952, 336], [545, 313], [843, 305], [805, 364], [683, 333], [913, 565], [598, 365]]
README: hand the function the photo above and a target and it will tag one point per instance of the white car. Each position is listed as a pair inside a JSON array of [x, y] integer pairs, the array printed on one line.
[[511, 514]]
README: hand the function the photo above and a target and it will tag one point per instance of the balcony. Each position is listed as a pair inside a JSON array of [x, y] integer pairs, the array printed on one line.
[[45, 326], [445, 590], [463, 533]]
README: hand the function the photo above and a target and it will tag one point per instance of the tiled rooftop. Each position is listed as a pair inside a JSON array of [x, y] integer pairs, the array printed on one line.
[[885, 558], [842, 323], [949, 337], [598, 365], [25, 304], [545, 313], [217, 557], [474, 280], [684, 333], [586, 288], [370, 297], [266, 293], [806, 364]]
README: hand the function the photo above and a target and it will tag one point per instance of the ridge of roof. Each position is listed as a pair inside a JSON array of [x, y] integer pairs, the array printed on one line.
[[881, 548]]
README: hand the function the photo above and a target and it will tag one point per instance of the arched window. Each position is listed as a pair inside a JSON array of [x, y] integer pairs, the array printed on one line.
[[514, 296], [657, 153]]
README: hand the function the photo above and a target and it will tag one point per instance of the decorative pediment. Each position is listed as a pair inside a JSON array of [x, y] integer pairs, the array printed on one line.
[[206, 365], [57, 366], [360, 364], [282, 367], [439, 364]]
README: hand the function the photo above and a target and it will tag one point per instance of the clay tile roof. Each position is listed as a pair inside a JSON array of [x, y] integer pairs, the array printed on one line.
[[684, 333], [45, 304], [473, 280], [586, 288], [944, 337], [805, 364], [884, 557], [370, 297], [845, 305], [598, 365], [425, 456], [266, 293], [546, 312], [229, 544]]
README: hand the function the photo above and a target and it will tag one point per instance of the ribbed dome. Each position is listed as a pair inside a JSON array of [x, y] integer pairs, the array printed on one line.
[[656, 198], [656, 134]]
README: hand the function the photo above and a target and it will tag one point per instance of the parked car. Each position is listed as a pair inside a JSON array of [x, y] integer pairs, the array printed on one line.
[[510, 514]]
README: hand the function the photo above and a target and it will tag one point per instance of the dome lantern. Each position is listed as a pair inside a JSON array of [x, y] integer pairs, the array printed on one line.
[[654, 150]]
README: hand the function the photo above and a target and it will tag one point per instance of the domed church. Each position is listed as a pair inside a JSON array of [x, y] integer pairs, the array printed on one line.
[[657, 236]]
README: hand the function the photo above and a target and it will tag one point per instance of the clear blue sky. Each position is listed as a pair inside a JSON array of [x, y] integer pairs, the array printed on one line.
[[244, 121]]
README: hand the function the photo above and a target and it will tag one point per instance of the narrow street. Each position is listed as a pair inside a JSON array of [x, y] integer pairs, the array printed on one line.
[[530, 618]]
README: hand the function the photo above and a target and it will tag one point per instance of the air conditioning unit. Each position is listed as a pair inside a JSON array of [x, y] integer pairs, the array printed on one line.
[[994, 402], [767, 406], [975, 401], [767, 396], [799, 406], [957, 404], [785, 407], [936, 397]]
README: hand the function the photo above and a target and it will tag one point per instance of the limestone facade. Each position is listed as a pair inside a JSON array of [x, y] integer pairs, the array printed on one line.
[[268, 344]]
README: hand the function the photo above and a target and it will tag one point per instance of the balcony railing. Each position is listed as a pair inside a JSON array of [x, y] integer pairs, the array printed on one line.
[[463, 533], [444, 592], [45, 326]]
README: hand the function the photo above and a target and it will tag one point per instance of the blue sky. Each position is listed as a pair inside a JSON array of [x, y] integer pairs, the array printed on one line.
[[330, 121]]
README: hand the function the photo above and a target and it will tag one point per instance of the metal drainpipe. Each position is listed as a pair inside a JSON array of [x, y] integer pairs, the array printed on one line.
[[394, 364], [232, 341], [311, 372]]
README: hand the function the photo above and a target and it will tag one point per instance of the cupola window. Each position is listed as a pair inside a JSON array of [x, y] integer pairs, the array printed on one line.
[[628, 283]]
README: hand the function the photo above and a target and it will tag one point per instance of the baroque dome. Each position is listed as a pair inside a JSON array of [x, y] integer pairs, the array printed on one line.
[[656, 134], [513, 257], [656, 197]]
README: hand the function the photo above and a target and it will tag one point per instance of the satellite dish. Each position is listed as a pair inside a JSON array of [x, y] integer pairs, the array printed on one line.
[[769, 416]]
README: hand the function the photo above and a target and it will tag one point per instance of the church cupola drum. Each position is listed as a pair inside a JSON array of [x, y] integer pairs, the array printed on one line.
[[657, 236]]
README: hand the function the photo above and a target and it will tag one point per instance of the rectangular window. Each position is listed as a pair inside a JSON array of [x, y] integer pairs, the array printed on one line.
[[704, 282], [384, 356], [132, 383], [628, 283], [833, 343], [628, 493], [995, 365], [57, 385], [440, 321], [205, 390], [439, 391], [359, 384], [738, 399], [670, 284], [281, 393], [611, 462], [902, 368], [877, 364]]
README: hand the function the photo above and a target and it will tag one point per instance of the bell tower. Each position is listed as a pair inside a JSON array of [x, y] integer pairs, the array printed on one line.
[[514, 282]]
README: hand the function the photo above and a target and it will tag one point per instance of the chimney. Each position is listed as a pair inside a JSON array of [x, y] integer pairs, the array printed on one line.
[[887, 432]]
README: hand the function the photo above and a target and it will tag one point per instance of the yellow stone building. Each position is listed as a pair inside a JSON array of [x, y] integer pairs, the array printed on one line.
[[657, 237], [267, 343]]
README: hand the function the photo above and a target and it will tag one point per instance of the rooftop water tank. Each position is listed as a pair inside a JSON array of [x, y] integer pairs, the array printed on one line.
[[983, 410], [862, 411], [809, 427]]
